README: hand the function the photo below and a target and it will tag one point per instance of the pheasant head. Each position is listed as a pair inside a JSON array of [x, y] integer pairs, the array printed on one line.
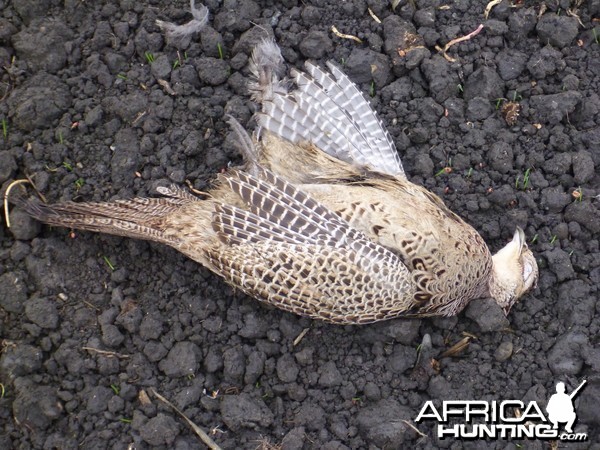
[[514, 272]]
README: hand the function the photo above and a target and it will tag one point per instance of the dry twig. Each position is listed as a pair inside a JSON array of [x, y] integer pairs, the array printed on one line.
[[106, 353], [199, 432], [6, 194], [335, 31]]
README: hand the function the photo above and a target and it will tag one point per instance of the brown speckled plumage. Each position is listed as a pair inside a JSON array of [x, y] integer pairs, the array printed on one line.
[[322, 220]]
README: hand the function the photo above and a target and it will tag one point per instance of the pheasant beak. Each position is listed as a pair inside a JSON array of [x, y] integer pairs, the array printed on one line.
[[519, 239]]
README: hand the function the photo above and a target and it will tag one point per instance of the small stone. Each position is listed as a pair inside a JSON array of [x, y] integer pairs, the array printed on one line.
[[479, 108], [425, 17], [13, 291], [583, 167], [161, 67], [255, 326], [581, 213], [23, 226], [496, 27], [442, 80], [34, 405], [487, 314], [330, 375], [294, 440], [183, 360], [403, 331], [287, 369], [234, 364], [130, 316], [19, 360], [558, 31], [155, 351], [316, 45], [484, 82], [160, 430], [554, 108], [111, 336], [504, 351], [8, 166], [311, 416], [98, 399], [42, 312], [39, 102], [501, 156], [401, 359], [545, 62], [382, 424], [365, 65], [565, 357], [554, 199], [560, 263], [577, 303], [255, 367], [212, 71], [511, 63], [244, 411]]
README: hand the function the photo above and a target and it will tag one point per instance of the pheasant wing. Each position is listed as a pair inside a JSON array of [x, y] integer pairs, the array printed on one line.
[[326, 109], [291, 251]]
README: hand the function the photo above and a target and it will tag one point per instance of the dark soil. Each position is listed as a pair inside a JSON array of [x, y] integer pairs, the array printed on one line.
[[91, 322]]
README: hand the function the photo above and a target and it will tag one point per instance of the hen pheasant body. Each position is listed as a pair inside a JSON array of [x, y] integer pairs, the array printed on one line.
[[322, 221]]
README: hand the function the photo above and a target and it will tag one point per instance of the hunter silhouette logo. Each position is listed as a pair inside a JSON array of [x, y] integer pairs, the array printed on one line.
[[506, 419], [560, 407]]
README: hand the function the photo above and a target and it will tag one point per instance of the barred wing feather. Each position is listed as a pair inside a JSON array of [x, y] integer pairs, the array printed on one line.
[[328, 110], [291, 250]]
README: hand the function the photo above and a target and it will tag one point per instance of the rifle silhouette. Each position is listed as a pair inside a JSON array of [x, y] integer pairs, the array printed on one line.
[[576, 391]]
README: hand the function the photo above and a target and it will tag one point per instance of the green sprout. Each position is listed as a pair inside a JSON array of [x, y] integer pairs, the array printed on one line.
[[517, 96], [499, 102], [122, 76], [220, 50], [526, 178], [125, 420], [115, 389], [67, 166], [79, 182], [176, 64], [523, 184], [447, 170], [470, 172], [108, 263], [5, 128], [461, 88], [596, 37], [61, 139], [372, 89], [553, 240], [149, 57], [577, 194], [534, 239]]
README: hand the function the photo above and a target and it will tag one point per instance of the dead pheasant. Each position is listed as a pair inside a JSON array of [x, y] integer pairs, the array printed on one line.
[[321, 221]]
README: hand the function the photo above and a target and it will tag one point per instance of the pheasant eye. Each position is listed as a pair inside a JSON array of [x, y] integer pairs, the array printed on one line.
[[527, 271]]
